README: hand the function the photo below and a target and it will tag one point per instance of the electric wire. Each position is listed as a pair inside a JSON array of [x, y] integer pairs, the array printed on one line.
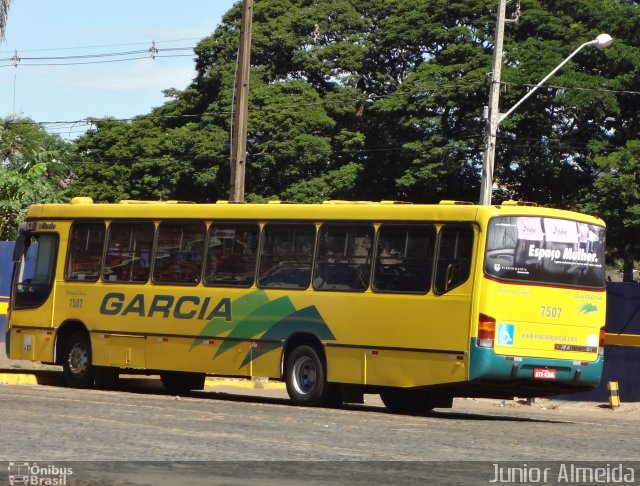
[[297, 106], [109, 45]]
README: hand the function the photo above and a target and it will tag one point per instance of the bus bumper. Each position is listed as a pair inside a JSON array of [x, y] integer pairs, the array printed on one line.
[[485, 364]]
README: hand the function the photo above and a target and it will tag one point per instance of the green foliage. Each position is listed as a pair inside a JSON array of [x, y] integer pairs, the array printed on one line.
[[383, 100], [335, 184], [33, 169], [615, 197]]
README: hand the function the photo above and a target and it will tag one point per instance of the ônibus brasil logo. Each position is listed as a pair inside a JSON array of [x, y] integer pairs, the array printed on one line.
[[34, 474]]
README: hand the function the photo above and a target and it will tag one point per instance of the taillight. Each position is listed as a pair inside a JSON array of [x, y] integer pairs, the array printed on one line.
[[601, 342], [486, 331]]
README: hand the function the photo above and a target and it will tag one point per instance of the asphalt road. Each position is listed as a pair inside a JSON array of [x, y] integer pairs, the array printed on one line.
[[187, 437]]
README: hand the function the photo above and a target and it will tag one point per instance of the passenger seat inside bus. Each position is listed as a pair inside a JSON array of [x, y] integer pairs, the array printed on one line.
[[338, 276]]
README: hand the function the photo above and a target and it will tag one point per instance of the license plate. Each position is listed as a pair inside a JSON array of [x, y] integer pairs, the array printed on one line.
[[544, 374]]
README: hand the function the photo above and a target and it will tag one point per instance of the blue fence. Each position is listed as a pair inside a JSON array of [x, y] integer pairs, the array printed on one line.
[[621, 364], [6, 268]]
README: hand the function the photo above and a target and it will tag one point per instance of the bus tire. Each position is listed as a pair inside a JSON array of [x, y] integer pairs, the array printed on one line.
[[77, 363], [407, 401], [306, 379], [180, 382]]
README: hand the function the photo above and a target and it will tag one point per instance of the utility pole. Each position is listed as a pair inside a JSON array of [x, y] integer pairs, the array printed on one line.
[[494, 111], [241, 108]]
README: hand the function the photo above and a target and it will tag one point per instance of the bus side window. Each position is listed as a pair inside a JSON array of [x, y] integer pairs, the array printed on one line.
[[128, 252], [285, 258], [453, 264], [231, 255], [344, 257], [178, 256], [84, 258], [404, 259]]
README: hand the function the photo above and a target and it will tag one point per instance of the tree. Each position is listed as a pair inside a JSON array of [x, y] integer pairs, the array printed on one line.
[[32, 170], [615, 197], [383, 100], [4, 12]]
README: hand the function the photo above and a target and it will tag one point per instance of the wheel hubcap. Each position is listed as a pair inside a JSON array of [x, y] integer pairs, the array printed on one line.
[[78, 360], [304, 375]]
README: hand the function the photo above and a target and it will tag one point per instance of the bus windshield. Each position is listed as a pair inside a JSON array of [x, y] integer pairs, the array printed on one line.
[[34, 278], [546, 251]]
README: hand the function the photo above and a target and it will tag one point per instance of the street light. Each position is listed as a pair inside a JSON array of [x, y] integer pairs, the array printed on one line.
[[495, 118]]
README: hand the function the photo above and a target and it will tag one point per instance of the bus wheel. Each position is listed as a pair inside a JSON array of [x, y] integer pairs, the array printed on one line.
[[179, 383], [407, 401], [306, 379], [76, 362]]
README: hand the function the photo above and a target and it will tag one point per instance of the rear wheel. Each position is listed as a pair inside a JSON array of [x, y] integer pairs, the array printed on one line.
[[179, 382], [306, 378], [77, 367]]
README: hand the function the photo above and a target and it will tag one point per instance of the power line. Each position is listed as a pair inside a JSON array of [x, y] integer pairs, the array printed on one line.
[[153, 52], [108, 45], [298, 106], [105, 54], [223, 158], [94, 62], [576, 88]]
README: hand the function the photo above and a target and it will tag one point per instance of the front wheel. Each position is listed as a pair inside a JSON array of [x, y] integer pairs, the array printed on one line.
[[77, 367], [306, 379]]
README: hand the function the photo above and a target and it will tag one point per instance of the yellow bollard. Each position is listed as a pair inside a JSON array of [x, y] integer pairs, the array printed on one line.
[[614, 396]]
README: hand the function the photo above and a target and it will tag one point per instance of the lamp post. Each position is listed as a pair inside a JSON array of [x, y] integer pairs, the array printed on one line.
[[495, 118]]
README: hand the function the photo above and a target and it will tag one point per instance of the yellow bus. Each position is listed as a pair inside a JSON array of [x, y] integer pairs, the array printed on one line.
[[419, 303]]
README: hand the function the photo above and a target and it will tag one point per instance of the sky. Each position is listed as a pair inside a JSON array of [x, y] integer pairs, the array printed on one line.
[[96, 89]]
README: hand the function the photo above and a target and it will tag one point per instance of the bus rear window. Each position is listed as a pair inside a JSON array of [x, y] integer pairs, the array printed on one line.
[[545, 250]]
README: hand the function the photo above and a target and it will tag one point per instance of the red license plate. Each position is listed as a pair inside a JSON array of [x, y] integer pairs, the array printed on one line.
[[544, 374]]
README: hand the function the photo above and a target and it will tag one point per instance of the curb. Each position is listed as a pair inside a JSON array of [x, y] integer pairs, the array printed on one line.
[[17, 379]]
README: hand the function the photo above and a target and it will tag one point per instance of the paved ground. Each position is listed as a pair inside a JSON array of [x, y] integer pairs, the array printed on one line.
[[269, 441]]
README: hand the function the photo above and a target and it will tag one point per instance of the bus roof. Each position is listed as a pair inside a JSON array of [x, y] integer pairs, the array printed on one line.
[[84, 208]]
